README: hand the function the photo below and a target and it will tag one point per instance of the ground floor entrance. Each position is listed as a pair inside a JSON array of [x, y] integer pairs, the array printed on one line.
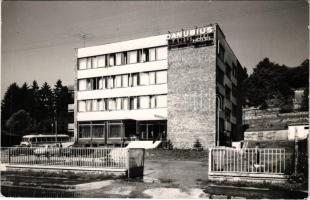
[[120, 132]]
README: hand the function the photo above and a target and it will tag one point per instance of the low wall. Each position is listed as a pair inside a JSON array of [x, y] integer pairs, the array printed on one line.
[[66, 170], [266, 135], [250, 178]]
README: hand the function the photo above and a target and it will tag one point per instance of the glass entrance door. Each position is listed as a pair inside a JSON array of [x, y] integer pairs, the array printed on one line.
[[146, 131]]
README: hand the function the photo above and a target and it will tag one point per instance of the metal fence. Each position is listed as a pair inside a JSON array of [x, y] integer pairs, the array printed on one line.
[[249, 160], [67, 157]]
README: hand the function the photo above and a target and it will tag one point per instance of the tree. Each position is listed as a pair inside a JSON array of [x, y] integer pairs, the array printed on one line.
[[298, 77], [61, 100], [268, 81], [26, 97], [20, 123], [11, 103], [305, 100], [45, 95]]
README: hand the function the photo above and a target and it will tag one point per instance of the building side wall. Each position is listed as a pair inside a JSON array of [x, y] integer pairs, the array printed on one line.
[[191, 96], [233, 80]]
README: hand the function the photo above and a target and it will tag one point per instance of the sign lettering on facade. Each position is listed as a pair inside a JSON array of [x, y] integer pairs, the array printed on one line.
[[201, 35]]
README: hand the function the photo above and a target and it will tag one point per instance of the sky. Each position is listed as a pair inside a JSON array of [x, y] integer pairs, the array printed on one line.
[[39, 38]]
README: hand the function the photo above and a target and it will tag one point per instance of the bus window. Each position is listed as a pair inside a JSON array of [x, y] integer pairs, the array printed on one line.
[[48, 139]]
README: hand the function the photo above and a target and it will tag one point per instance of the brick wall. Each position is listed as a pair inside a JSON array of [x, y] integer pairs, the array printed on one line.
[[191, 96]]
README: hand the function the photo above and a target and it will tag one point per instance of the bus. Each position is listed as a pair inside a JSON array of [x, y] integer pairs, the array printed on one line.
[[41, 140]]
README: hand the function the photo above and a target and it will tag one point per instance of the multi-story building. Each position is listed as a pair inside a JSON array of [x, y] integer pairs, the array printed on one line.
[[157, 88]]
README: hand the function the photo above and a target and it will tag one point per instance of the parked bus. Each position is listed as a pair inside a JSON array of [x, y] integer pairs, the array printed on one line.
[[41, 140]]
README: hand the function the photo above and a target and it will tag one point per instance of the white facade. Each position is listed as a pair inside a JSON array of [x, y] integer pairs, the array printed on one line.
[[299, 131], [122, 81]]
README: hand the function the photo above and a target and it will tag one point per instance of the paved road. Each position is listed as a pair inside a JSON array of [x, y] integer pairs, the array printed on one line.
[[185, 173]]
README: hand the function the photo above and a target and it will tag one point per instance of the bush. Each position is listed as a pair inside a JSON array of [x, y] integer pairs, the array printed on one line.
[[197, 145]]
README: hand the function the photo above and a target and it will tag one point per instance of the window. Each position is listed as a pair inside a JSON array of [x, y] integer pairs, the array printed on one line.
[[152, 78], [161, 101], [161, 77], [125, 80], [88, 63], [152, 54], [144, 78], [125, 104], [110, 82], [84, 131], [133, 103], [132, 57], [234, 110], [94, 84], [227, 114], [95, 105], [100, 83], [234, 70], [144, 102], [118, 81], [140, 55], [101, 61], [102, 104], [88, 105], [111, 59], [94, 62], [112, 104], [234, 90], [115, 131], [134, 79], [82, 106], [98, 131], [82, 84], [228, 70], [82, 63], [227, 92], [118, 103], [221, 51], [145, 55], [161, 53], [89, 84], [119, 58], [153, 102], [219, 75]]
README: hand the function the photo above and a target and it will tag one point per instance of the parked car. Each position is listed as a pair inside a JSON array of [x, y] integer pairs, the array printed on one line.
[[77, 151], [47, 150]]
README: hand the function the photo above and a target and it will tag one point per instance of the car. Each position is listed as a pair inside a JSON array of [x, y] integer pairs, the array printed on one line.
[[47, 150]]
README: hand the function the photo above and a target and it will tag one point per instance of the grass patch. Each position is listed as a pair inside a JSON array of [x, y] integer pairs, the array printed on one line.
[[177, 154]]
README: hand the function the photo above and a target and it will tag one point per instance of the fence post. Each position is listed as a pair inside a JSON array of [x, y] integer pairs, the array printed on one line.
[[128, 163], [210, 164], [9, 155], [296, 155]]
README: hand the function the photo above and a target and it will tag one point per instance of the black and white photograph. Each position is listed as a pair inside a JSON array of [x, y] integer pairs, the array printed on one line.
[[155, 99]]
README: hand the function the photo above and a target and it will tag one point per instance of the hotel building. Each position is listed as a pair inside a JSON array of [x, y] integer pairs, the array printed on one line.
[[163, 87]]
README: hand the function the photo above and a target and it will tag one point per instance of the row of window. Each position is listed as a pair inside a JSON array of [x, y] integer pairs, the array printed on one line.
[[123, 103], [98, 131], [123, 58], [122, 81], [228, 72]]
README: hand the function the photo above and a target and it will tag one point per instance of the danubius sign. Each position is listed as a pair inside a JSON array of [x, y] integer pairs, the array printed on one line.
[[193, 36]]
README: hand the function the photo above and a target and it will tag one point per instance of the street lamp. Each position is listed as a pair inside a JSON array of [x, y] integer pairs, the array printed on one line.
[[219, 103]]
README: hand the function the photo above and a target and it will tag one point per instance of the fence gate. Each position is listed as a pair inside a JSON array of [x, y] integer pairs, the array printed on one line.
[[247, 162]]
